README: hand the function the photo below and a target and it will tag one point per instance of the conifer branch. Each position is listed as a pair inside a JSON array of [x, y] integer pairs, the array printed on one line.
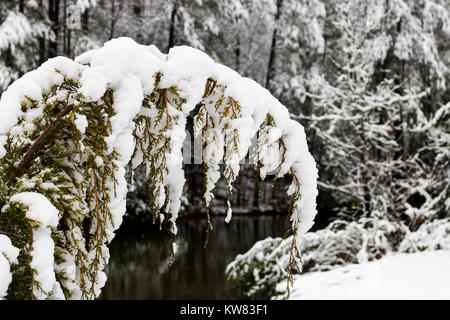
[[11, 235], [37, 143]]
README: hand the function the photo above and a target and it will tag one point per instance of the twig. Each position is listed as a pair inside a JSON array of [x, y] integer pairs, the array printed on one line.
[[12, 235], [37, 143]]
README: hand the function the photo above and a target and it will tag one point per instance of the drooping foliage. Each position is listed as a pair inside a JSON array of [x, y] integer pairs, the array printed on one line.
[[70, 128]]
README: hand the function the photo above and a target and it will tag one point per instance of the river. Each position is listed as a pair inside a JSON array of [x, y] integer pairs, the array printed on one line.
[[139, 263]]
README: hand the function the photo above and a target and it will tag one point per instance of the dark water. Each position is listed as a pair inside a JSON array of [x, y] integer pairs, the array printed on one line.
[[139, 264]]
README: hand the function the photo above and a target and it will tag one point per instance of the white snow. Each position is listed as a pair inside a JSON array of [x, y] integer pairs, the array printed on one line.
[[421, 275], [8, 255], [81, 122], [40, 208], [188, 69], [98, 161], [42, 212]]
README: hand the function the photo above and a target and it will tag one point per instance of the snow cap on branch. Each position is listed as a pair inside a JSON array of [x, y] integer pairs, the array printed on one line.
[[128, 102]]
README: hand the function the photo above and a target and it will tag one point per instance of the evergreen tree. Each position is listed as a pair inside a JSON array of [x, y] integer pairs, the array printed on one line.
[[371, 86], [21, 28], [70, 128]]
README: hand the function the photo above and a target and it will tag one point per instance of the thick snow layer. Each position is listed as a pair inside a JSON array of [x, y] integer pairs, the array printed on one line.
[[422, 275], [41, 210], [8, 255], [32, 86]]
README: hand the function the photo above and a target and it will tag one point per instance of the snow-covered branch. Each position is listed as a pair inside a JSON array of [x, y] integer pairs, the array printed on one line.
[[70, 128]]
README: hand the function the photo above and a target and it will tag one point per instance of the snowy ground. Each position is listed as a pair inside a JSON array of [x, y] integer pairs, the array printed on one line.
[[423, 275]]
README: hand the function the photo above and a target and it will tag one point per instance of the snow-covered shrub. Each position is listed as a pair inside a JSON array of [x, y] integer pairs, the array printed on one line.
[[70, 128], [434, 235], [257, 272]]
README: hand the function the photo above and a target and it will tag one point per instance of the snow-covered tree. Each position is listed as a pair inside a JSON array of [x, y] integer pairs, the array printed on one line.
[[299, 45], [70, 128], [173, 22], [33, 31], [21, 27], [248, 51], [364, 115], [374, 98]]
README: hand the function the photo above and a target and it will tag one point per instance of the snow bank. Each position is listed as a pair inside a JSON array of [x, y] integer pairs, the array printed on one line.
[[422, 275]]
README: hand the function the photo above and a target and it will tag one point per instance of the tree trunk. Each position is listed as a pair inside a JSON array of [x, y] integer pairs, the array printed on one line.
[[365, 174], [21, 6], [113, 19], [85, 20], [272, 57], [69, 38], [42, 50], [172, 27], [65, 28], [137, 8], [53, 14], [256, 191], [237, 52]]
